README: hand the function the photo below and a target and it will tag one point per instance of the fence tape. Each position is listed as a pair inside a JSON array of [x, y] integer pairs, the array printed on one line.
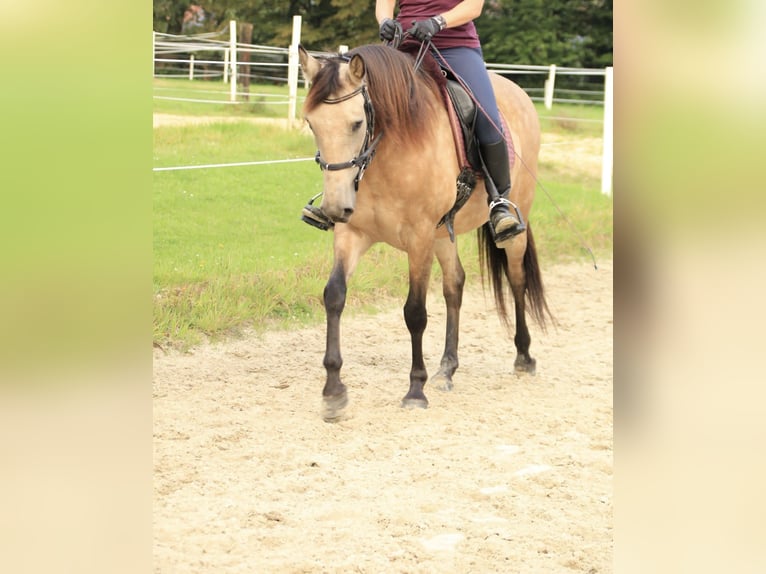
[[237, 164]]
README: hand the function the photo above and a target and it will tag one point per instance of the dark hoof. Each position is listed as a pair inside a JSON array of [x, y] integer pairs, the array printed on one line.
[[333, 407], [414, 403], [525, 365]]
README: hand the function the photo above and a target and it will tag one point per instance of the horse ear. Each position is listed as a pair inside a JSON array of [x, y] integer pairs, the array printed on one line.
[[309, 64], [356, 68]]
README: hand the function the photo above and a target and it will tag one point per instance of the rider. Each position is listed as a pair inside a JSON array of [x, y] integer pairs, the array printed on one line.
[[449, 25]]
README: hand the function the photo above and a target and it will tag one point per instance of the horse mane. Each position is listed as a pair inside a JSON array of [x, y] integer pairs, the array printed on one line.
[[404, 99]]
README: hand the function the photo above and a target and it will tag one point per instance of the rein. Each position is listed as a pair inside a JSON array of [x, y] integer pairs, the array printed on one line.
[[367, 151]]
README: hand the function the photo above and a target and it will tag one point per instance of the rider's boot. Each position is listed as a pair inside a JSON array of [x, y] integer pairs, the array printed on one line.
[[315, 216], [503, 223]]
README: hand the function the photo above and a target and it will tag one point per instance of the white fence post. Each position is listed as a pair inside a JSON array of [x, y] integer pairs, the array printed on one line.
[[191, 67], [608, 151], [342, 49], [549, 87], [233, 60], [292, 70]]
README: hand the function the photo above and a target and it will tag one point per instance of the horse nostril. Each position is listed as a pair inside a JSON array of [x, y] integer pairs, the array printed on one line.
[[347, 212]]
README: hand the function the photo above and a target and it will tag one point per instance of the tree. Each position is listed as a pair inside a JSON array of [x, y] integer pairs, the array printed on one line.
[[574, 33], [326, 24], [520, 32], [168, 15]]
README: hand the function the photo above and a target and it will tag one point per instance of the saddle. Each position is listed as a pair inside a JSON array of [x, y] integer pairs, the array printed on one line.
[[462, 111]]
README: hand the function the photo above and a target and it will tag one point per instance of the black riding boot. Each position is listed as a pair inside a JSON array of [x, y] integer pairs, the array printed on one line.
[[314, 215], [504, 224]]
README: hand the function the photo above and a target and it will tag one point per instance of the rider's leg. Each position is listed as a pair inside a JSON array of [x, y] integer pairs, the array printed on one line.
[[468, 63]]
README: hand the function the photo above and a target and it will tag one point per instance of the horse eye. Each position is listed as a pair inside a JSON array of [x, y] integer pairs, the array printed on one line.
[[356, 125]]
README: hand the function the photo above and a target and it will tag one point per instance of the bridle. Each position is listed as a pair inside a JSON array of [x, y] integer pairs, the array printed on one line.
[[367, 151]]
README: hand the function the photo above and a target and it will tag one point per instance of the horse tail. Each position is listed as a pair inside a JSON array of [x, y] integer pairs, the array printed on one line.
[[538, 306], [494, 263]]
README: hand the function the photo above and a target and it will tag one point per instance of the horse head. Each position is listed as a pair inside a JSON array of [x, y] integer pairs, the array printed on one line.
[[339, 113]]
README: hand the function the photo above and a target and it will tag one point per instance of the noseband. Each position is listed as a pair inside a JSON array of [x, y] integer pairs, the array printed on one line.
[[367, 151]]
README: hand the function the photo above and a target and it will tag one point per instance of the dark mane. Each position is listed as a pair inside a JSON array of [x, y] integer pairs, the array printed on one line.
[[404, 99]]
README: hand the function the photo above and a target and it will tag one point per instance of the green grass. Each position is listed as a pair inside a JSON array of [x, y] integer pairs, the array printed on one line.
[[231, 253], [229, 248], [228, 243], [572, 119]]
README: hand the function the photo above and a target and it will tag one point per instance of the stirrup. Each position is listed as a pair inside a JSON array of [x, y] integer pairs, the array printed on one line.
[[503, 201], [315, 217], [503, 237]]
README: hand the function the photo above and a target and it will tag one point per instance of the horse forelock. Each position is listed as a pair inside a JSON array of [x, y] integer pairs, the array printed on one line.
[[326, 83], [402, 97]]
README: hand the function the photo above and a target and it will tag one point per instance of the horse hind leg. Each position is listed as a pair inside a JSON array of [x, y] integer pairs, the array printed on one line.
[[526, 283], [524, 362], [453, 281]]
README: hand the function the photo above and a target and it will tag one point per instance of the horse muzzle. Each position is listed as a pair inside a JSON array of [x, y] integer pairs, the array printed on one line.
[[339, 196], [338, 214]]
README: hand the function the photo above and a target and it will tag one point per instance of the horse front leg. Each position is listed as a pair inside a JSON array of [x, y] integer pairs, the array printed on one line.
[[416, 318], [349, 245], [334, 396], [453, 281]]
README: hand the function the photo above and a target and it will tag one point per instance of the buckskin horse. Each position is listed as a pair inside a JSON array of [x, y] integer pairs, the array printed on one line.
[[374, 103]]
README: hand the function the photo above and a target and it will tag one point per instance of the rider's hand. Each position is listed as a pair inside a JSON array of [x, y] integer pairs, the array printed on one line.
[[424, 29], [389, 28]]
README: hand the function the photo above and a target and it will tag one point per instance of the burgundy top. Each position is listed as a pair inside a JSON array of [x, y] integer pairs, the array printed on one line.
[[464, 35]]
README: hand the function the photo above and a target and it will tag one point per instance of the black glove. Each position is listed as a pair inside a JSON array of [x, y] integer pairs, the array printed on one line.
[[389, 28], [424, 29]]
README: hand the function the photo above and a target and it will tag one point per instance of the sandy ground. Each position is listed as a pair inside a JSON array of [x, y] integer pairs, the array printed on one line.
[[506, 473]]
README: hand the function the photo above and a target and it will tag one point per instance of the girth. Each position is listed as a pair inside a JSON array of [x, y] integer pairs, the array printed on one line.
[[461, 110]]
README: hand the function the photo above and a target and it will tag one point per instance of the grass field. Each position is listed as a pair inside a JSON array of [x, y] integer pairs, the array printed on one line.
[[230, 251]]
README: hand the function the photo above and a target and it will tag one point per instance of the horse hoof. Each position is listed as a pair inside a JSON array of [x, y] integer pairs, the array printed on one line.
[[441, 382], [333, 407], [523, 365], [410, 403], [446, 385]]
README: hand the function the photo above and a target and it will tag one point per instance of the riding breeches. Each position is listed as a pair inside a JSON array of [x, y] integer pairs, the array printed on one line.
[[468, 63]]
